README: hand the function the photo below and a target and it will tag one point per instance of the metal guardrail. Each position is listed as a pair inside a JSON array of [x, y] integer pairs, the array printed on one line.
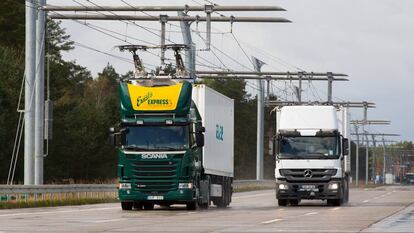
[[45, 192], [71, 188]]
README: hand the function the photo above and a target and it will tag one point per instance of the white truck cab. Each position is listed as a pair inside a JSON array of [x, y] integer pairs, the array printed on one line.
[[312, 159]]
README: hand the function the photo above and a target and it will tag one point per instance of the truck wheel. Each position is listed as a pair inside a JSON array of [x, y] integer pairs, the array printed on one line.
[[346, 195], [282, 202], [127, 205], [334, 202], [294, 202], [137, 205], [192, 205], [148, 206]]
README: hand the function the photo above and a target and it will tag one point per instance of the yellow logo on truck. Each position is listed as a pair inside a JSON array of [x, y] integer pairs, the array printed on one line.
[[154, 98]]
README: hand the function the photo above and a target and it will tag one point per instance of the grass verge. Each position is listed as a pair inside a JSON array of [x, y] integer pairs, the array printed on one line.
[[51, 203]]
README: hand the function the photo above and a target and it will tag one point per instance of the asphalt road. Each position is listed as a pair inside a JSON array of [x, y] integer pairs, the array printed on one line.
[[384, 209]]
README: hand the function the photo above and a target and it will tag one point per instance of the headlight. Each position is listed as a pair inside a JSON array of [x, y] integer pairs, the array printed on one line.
[[124, 185], [283, 186], [185, 185], [333, 186]]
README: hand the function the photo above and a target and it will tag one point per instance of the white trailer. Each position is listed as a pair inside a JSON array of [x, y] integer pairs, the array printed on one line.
[[312, 159], [217, 114]]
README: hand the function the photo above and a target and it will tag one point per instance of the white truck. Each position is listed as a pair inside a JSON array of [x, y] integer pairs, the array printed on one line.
[[312, 155]]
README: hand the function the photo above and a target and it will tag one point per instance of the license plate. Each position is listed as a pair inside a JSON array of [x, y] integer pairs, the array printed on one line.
[[308, 187], [155, 198]]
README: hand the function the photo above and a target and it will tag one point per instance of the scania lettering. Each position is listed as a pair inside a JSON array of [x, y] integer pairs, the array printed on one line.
[[169, 149], [312, 156], [154, 156]]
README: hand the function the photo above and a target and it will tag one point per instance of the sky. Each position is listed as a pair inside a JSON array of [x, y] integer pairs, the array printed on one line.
[[371, 40]]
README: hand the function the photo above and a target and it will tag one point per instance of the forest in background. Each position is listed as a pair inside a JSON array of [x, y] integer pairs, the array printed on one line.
[[86, 106]]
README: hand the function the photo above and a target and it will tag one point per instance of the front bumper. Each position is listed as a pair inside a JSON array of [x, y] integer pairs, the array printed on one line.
[[180, 196], [308, 190]]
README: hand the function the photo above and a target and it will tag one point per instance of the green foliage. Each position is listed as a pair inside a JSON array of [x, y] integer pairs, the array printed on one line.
[[50, 203], [11, 75], [12, 23]]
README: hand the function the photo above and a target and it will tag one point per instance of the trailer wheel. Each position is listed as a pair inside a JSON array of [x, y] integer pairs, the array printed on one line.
[[127, 205], [282, 202]]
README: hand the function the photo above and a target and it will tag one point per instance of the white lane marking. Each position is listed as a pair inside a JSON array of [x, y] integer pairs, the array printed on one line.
[[272, 221], [281, 209], [336, 208], [187, 213], [106, 220], [365, 201], [375, 198], [56, 212], [389, 193], [311, 213], [255, 195]]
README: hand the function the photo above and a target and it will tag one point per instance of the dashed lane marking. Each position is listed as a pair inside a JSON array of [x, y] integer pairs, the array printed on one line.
[[56, 212], [272, 221], [105, 220], [311, 213]]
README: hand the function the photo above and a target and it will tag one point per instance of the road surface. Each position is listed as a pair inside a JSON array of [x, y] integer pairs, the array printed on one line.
[[383, 209]]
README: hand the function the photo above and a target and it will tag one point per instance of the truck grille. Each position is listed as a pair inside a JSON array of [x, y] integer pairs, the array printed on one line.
[[156, 177], [310, 175]]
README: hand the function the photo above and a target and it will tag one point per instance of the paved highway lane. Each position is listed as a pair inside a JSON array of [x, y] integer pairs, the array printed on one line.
[[385, 209]]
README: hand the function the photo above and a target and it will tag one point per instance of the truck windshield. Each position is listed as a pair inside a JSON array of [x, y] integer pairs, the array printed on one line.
[[309, 147], [156, 138]]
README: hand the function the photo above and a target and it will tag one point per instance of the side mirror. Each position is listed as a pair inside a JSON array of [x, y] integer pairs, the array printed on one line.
[[345, 148], [201, 129], [200, 139], [271, 147], [112, 138]]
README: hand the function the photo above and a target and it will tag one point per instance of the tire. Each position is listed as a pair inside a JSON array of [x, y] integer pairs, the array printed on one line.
[[224, 200], [148, 206], [207, 204], [127, 205], [192, 205], [138, 205], [282, 202], [294, 202], [334, 202], [346, 194]]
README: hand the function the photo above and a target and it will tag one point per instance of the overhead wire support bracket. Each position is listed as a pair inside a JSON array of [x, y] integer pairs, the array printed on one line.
[[140, 73], [208, 10], [170, 18], [337, 104], [185, 8]]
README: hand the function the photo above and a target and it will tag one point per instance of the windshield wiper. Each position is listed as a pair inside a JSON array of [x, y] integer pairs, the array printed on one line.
[[136, 148], [169, 148]]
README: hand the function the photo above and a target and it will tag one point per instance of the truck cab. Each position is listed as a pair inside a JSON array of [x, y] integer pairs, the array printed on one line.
[[311, 155]]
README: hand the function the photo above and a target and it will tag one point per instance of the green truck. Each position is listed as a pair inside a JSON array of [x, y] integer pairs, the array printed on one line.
[[175, 145]]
